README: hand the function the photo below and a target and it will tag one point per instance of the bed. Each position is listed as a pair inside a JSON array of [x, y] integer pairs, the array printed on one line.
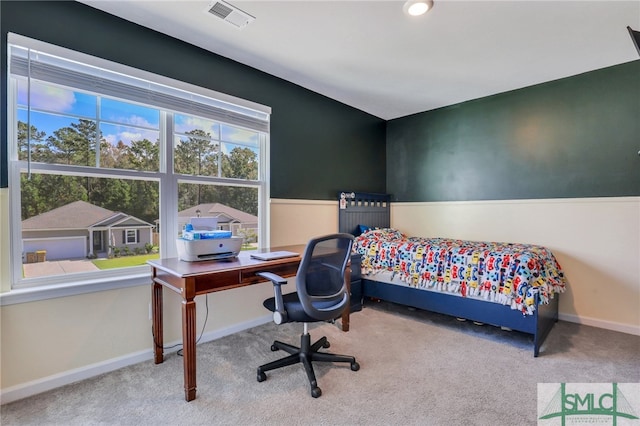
[[509, 285]]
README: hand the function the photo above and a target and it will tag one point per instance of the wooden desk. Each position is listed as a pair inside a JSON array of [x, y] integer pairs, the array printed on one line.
[[191, 279]]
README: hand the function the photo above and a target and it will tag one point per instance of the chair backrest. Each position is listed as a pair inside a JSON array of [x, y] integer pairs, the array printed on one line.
[[320, 279]]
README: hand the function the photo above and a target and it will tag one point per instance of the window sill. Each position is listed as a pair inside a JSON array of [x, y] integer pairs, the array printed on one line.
[[34, 294]]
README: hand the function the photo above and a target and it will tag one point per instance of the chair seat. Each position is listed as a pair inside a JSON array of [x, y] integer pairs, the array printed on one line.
[[293, 306]]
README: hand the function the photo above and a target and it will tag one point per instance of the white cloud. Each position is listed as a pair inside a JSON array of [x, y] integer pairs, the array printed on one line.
[[192, 123], [52, 98], [127, 135], [136, 120], [240, 136]]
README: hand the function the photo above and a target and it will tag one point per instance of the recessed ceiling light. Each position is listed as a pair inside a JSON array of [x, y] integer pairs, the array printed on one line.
[[417, 7]]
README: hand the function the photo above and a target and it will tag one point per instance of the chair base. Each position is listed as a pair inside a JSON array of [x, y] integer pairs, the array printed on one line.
[[305, 354]]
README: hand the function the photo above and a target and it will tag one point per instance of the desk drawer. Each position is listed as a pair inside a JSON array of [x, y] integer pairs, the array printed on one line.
[[285, 270], [218, 281]]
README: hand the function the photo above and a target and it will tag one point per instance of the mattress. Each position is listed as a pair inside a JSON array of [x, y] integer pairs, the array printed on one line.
[[512, 274]]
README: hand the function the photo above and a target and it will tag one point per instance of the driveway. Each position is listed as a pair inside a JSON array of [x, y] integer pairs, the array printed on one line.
[[57, 267]]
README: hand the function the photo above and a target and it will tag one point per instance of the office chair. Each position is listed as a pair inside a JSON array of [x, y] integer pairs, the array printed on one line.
[[321, 295]]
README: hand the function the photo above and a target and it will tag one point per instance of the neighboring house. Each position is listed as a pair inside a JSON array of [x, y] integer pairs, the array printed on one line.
[[229, 219], [81, 229]]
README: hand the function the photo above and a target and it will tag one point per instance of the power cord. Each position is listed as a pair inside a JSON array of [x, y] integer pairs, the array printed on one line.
[[206, 318]]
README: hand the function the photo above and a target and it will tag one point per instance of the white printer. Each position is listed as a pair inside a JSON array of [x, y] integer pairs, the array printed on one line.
[[202, 241]]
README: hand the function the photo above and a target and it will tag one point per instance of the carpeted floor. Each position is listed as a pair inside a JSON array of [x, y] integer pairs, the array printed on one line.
[[417, 368]]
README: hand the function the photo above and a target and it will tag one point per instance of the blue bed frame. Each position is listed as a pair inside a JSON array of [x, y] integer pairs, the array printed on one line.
[[356, 208]]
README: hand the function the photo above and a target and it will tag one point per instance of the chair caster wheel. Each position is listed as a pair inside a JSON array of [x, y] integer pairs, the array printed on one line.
[[274, 348], [261, 376], [326, 344], [316, 392], [355, 366]]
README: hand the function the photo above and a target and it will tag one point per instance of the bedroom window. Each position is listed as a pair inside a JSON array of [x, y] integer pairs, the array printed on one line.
[[108, 162]]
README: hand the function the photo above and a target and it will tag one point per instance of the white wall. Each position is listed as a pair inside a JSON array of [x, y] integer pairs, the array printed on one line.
[[50, 343], [297, 221], [54, 342], [596, 241]]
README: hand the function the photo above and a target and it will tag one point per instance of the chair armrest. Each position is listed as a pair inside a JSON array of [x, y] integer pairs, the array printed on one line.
[[275, 279], [280, 314]]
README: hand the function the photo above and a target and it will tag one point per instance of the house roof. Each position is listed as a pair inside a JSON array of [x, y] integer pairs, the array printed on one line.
[[76, 215], [223, 212]]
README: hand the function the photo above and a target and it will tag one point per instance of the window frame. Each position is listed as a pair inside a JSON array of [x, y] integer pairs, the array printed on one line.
[[135, 233], [43, 288]]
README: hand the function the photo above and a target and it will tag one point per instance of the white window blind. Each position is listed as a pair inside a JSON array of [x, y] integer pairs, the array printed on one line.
[[32, 60]]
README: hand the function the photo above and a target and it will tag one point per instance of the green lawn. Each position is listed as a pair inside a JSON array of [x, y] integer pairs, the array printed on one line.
[[128, 261], [124, 262]]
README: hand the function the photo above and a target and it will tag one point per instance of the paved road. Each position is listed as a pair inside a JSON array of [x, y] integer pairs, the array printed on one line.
[[57, 267]]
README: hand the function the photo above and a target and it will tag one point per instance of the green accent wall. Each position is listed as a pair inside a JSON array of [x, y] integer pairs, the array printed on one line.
[[318, 146], [574, 137], [570, 138]]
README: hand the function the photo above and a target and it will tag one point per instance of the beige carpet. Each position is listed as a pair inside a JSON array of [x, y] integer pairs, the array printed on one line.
[[416, 368]]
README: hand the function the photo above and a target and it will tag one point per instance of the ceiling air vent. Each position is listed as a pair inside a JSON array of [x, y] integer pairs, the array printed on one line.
[[230, 14]]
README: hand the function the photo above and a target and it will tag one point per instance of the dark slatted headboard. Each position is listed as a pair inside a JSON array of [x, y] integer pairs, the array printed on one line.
[[363, 208]]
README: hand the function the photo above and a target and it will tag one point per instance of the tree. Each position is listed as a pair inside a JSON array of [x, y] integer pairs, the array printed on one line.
[[87, 132], [195, 156], [74, 144], [241, 163], [144, 200], [34, 142], [112, 194], [44, 192], [114, 156], [144, 155]]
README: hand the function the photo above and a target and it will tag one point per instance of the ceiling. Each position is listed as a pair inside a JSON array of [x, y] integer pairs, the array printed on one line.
[[370, 55]]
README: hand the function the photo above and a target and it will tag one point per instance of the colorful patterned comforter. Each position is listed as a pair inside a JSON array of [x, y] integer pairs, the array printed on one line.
[[511, 274]]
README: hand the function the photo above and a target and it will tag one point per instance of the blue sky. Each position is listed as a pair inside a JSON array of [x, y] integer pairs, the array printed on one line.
[[54, 107]]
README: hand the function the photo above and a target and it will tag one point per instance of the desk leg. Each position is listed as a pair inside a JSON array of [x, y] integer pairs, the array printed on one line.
[[189, 348], [156, 322]]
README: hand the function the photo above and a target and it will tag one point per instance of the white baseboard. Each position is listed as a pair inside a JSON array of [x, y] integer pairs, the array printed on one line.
[[35, 387], [607, 325]]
